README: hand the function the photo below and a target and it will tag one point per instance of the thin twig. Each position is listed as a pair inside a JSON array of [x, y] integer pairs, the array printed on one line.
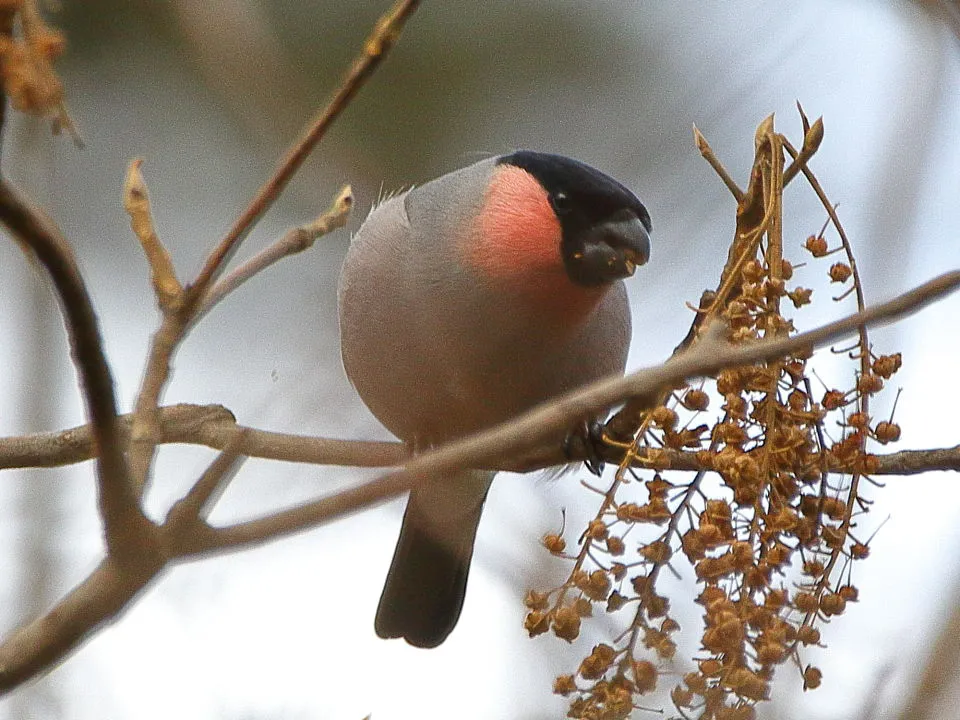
[[126, 529], [201, 498], [188, 516], [379, 43], [707, 152], [136, 201], [811, 143], [550, 419], [295, 241]]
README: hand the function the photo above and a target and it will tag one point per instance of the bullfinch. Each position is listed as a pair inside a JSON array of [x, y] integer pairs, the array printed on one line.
[[464, 302]]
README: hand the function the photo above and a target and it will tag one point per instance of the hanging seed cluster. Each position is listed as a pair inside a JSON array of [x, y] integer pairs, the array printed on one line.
[[767, 526]]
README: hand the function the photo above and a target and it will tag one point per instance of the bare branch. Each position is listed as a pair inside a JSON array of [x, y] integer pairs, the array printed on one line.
[[210, 425], [145, 425], [811, 143], [45, 642], [196, 505], [295, 241], [126, 528], [215, 427], [136, 201], [707, 152], [291, 448], [135, 554], [551, 419], [902, 462], [376, 47], [914, 462]]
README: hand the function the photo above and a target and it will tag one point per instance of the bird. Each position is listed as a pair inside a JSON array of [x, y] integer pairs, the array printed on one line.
[[464, 302]]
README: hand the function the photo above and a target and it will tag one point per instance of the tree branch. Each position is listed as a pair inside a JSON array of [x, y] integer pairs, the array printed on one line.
[[295, 241], [551, 419], [126, 529], [191, 511], [812, 137], [44, 643], [214, 426], [210, 425], [707, 152], [379, 43], [136, 201]]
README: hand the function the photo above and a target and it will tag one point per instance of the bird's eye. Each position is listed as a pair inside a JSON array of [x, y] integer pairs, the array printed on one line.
[[560, 202]]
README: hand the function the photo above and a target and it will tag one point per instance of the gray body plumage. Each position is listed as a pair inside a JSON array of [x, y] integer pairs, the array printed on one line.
[[437, 350]]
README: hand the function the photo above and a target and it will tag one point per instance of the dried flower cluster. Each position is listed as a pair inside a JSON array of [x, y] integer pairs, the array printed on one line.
[[26, 63], [768, 523]]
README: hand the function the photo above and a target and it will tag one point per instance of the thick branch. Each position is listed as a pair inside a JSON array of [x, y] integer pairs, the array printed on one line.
[[903, 462], [551, 419], [126, 529], [210, 425], [214, 426], [40, 645], [111, 588]]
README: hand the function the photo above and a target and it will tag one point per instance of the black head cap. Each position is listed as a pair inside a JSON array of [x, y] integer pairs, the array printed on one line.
[[605, 228]]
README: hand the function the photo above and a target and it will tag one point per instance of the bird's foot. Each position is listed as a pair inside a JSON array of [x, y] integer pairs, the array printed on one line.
[[587, 441]]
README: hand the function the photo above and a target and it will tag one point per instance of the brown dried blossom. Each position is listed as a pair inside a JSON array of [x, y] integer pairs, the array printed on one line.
[[780, 476], [816, 245], [840, 272], [26, 66]]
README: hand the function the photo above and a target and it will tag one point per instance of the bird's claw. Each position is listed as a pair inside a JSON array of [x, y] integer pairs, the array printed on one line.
[[587, 441]]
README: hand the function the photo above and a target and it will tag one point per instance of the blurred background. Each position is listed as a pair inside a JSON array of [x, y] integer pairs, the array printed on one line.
[[209, 94]]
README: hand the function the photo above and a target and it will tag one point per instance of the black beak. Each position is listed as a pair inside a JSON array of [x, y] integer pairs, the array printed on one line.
[[613, 249]]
